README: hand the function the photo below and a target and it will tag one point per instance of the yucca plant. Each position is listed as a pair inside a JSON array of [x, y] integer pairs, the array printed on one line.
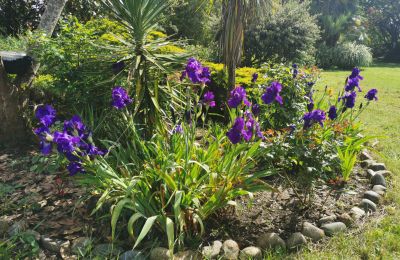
[[146, 63], [172, 185]]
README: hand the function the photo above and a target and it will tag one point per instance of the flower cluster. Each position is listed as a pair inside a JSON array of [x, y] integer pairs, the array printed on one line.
[[120, 98], [316, 116], [353, 80], [238, 96], [371, 95], [196, 72], [295, 70], [272, 94], [208, 99], [245, 130], [74, 141], [332, 113]]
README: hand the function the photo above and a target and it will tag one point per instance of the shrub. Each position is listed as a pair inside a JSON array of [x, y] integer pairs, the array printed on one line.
[[288, 35], [344, 55]]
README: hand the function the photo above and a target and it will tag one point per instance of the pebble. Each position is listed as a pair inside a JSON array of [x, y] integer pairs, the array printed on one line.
[[313, 232], [365, 155], [251, 252], [370, 173], [53, 245], [270, 240], [357, 213], [372, 196], [159, 253], [377, 167], [367, 163], [378, 179], [367, 205], [327, 219], [132, 255], [212, 252], [333, 228], [187, 255], [384, 173], [106, 250], [230, 250], [296, 240], [379, 189]]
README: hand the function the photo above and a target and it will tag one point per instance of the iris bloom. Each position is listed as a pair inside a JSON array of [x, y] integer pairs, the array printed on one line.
[[273, 94]]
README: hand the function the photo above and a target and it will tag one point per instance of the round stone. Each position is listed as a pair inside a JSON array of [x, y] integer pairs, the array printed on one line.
[[212, 252], [313, 232], [296, 240], [365, 155], [384, 173], [187, 255], [370, 173], [159, 253], [367, 205], [333, 228], [346, 219], [378, 179], [379, 189], [372, 196], [230, 249], [53, 245], [367, 163], [270, 240], [250, 252], [357, 213], [327, 219], [81, 245], [377, 167]]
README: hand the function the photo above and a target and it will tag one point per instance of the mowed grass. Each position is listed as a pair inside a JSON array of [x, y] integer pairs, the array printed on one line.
[[380, 237]]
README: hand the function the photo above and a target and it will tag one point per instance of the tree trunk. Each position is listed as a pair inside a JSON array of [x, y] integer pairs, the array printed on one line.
[[12, 126], [47, 25]]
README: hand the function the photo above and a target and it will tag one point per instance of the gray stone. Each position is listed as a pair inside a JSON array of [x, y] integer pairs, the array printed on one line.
[[296, 240], [370, 173], [378, 179], [346, 219], [327, 219], [132, 255], [372, 196], [81, 245], [367, 205], [357, 213], [53, 245], [106, 250], [212, 252], [230, 250], [270, 240], [159, 253], [381, 190], [4, 226], [313, 232], [187, 255], [384, 173], [367, 163], [251, 252], [377, 167], [333, 228], [365, 156], [17, 228]]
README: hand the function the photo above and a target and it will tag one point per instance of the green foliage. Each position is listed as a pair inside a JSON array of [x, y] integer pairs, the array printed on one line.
[[288, 35], [13, 43], [345, 55]]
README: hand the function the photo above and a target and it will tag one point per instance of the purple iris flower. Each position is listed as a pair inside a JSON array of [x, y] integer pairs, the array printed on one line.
[[65, 143], [208, 99], [316, 116], [371, 95], [349, 99], [254, 77], [75, 123], [237, 96], [353, 81], [272, 94], [310, 106], [196, 72], [45, 139], [256, 109], [295, 70], [178, 129], [120, 98], [75, 168], [332, 113], [235, 133], [46, 114]]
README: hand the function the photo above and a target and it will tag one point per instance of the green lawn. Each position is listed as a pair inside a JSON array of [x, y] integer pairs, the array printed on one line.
[[380, 239]]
